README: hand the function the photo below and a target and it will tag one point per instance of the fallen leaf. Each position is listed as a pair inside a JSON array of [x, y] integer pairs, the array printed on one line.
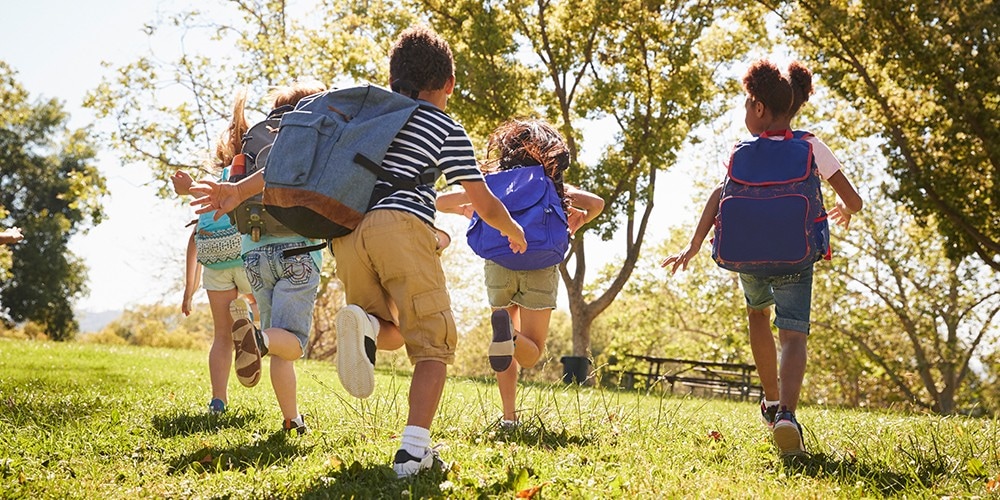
[[530, 492], [716, 435], [206, 459], [993, 486]]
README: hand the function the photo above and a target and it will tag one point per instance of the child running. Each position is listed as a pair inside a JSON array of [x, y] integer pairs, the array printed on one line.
[[773, 99], [391, 257], [523, 300], [284, 274], [214, 245]]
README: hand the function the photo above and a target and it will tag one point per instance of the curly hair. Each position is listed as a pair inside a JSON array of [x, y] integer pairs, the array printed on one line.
[[522, 143], [802, 87], [764, 83], [419, 60]]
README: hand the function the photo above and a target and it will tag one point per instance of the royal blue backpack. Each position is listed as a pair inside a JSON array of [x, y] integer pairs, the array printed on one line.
[[771, 219], [531, 198]]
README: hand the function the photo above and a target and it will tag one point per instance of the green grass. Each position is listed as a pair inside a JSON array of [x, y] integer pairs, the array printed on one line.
[[90, 421]]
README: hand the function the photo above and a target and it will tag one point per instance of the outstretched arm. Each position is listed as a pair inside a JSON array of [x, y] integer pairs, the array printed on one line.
[[705, 223], [456, 202], [11, 235], [224, 197], [182, 182], [492, 211]]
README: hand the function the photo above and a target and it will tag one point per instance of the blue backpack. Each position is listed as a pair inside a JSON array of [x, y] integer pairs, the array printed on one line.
[[320, 175], [771, 219], [530, 197]]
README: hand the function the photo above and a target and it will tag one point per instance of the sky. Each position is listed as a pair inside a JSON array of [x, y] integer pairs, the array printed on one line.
[[136, 255]]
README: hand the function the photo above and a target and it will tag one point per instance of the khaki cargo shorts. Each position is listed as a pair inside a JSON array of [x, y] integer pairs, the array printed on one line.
[[391, 256]]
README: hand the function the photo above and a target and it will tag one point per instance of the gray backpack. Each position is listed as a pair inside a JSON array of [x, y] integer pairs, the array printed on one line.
[[320, 175], [252, 217]]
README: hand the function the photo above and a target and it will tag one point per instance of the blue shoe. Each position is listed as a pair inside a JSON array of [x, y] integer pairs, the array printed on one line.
[[788, 435], [216, 406]]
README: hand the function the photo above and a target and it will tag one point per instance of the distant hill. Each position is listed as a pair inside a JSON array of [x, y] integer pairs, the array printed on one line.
[[91, 321]]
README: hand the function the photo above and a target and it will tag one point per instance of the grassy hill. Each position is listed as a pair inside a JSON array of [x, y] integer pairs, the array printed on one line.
[[90, 421]]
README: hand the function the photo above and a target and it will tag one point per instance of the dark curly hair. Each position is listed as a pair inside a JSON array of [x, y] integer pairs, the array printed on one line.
[[802, 87], [523, 143], [764, 83], [419, 60]]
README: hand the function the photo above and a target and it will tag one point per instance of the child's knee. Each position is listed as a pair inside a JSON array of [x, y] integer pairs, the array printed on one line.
[[764, 313]]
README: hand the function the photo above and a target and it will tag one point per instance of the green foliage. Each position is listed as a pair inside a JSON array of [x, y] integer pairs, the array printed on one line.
[[925, 73], [158, 325], [51, 189], [85, 421]]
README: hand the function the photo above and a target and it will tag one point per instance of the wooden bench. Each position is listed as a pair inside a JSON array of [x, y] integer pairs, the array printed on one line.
[[703, 378]]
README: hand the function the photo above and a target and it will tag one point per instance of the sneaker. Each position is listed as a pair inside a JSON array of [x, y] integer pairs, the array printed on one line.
[[298, 425], [502, 348], [768, 414], [216, 406], [788, 435], [249, 350], [239, 309], [509, 425], [356, 331], [407, 465]]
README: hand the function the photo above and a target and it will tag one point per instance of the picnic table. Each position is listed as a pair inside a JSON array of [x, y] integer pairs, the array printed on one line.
[[735, 380]]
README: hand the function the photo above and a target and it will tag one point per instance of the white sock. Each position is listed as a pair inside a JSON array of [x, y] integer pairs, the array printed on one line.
[[416, 440], [298, 421], [768, 403]]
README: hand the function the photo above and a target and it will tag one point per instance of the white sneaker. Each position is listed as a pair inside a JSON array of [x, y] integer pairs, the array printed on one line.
[[407, 465], [356, 331]]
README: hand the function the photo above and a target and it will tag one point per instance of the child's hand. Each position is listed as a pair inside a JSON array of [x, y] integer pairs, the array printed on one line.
[[518, 244], [11, 235], [222, 197], [681, 259], [186, 305], [182, 182], [575, 218], [841, 215]]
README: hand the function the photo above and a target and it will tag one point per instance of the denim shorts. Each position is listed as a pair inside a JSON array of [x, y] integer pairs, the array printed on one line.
[[536, 289], [284, 287], [220, 280], [791, 295]]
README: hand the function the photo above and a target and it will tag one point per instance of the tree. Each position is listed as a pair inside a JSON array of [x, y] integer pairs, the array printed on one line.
[[647, 67], [51, 189], [928, 320], [925, 74]]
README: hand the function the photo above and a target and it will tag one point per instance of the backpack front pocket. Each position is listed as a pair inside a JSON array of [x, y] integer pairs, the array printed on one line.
[[302, 146]]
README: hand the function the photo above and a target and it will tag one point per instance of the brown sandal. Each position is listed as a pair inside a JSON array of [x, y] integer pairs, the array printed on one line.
[[247, 353]]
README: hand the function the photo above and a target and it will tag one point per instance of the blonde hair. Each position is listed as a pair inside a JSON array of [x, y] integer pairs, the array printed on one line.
[[230, 142]]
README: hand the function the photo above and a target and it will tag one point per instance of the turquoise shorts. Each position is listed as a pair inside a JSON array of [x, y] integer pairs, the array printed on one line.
[[791, 295]]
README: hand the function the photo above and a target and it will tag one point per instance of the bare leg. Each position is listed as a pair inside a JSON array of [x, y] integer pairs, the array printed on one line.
[[532, 327], [284, 348], [765, 354], [426, 387], [507, 383], [220, 356], [793, 366]]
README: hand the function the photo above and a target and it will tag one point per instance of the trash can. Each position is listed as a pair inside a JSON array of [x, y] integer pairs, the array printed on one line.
[[575, 369]]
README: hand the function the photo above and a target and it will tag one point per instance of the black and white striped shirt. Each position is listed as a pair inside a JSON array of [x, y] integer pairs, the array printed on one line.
[[431, 138]]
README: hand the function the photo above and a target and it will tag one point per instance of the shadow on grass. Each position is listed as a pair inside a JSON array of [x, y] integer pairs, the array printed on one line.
[[850, 471], [262, 453], [193, 423], [379, 481], [534, 432]]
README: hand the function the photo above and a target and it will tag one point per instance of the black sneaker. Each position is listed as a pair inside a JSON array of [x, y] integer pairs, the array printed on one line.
[[788, 435], [407, 465], [297, 425], [768, 413]]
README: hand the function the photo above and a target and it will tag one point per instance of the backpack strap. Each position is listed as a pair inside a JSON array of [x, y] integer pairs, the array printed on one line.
[[291, 252]]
